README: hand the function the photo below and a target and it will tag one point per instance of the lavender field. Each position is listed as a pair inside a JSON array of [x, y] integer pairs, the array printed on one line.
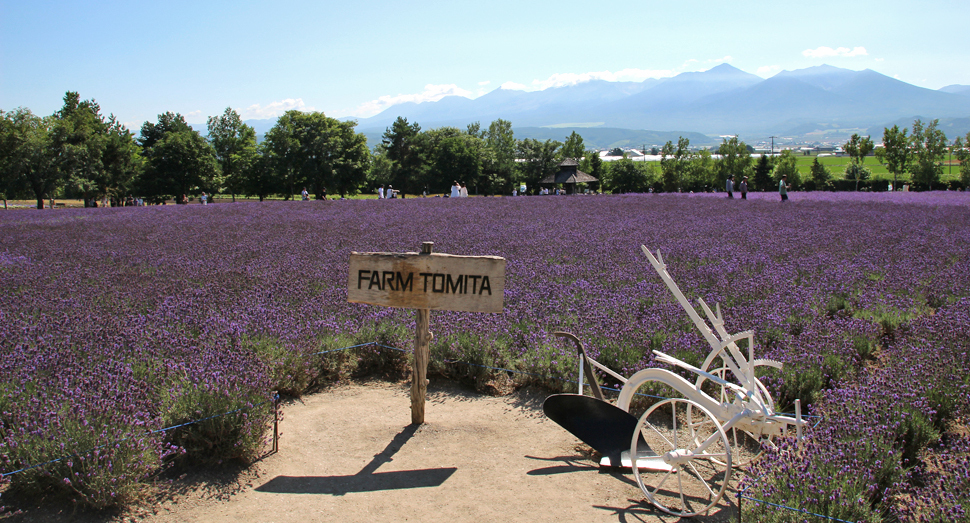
[[116, 322]]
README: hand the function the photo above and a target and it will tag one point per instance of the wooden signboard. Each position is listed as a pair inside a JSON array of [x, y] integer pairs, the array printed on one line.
[[426, 281]]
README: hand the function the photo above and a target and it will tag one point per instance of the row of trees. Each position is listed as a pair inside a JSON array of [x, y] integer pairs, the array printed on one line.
[[77, 152], [920, 154]]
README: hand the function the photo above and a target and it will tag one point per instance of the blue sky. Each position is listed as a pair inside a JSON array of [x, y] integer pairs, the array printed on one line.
[[355, 58]]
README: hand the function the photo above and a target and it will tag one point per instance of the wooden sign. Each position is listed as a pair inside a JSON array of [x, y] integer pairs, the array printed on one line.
[[427, 281]]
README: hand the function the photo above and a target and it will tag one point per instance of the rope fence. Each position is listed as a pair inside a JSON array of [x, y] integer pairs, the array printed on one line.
[[741, 496], [276, 401]]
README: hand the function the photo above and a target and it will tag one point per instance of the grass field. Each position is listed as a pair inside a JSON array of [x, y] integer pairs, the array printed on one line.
[[837, 165]]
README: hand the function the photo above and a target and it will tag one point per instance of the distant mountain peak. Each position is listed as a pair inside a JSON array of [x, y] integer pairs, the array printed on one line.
[[816, 70], [956, 89], [724, 67]]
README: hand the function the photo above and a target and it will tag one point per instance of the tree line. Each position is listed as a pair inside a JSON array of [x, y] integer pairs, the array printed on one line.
[[79, 153]]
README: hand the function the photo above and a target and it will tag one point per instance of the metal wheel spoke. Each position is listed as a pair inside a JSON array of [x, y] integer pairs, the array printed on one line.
[[664, 480], [711, 455], [660, 434], [697, 474], [680, 483]]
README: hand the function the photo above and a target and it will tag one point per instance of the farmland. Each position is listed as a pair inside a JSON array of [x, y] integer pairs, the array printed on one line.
[[116, 322]]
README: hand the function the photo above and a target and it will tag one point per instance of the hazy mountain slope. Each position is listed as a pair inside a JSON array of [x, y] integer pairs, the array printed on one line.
[[722, 100]]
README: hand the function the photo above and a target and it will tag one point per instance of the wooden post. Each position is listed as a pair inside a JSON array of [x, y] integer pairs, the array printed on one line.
[[422, 340]]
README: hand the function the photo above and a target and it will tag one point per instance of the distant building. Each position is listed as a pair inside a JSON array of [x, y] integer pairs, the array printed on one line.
[[568, 175]]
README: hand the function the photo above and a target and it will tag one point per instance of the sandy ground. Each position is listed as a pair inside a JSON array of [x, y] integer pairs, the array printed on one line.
[[350, 454]]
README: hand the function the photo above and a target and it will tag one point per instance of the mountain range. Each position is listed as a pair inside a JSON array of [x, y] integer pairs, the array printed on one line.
[[721, 101], [816, 104]]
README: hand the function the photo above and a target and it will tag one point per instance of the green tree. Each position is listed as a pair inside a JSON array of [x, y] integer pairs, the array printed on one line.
[[283, 159], [499, 156], [329, 153], [475, 129], [179, 161], [78, 139], [762, 173], [573, 147], [94, 155], [594, 166], [735, 161], [426, 146], [539, 159], [10, 177], [352, 160], [26, 158], [857, 148], [894, 152], [960, 149], [928, 146], [380, 169], [235, 146], [400, 141], [261, 180], [456, 158], [673, 164], [699, 172], [857, 172], [820, 174], [787, 165], [627, 176]]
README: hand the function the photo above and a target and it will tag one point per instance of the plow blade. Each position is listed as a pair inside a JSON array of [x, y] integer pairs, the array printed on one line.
[[601, 425]]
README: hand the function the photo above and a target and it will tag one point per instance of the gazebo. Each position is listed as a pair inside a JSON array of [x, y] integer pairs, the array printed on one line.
[[569, 175]]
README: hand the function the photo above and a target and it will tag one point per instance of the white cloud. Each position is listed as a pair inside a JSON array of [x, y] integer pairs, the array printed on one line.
[[431, 93], [768, 69], [192, 115], [274, 109], [512, 86], [824, 52], [486, 82]]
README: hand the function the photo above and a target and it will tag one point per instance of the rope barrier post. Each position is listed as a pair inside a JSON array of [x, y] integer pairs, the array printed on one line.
[[422, 339], [276, 421]]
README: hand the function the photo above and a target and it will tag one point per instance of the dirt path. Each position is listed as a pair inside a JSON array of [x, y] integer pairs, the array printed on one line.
[[349, 454]]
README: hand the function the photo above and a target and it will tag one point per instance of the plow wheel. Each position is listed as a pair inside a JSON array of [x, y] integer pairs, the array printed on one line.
[[683, 462], [746, 445]]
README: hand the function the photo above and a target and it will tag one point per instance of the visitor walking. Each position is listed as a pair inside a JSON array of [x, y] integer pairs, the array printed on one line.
[[729, 186], [744, 188], [204, 198], [783, 187], [380, 192]]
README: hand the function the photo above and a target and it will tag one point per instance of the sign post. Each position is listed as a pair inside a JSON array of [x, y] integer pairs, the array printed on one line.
[[422, 343], [426, 281]]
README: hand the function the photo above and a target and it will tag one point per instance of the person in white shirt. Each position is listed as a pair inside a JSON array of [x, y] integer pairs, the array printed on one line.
[[455, 190], [464, 191], [380, 192]]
